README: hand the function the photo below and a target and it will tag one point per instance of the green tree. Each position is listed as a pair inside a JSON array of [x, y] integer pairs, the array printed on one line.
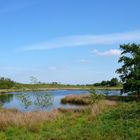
[[6, 83], [130, 70], [103, 83], [114, 82]]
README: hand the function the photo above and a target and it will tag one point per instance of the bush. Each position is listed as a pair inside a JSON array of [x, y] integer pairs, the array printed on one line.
[[95, 97]]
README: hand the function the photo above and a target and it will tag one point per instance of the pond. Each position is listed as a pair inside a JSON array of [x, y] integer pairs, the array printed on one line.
[[43, 101]]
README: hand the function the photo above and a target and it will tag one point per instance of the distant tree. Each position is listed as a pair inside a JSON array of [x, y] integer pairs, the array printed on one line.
[[130, 70], [103, 83], [108, 83], [54, 83], [34, 80], [6, 83], [114, 82]]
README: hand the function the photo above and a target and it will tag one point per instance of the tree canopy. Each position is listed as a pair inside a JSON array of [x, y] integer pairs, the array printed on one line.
[[130, 70], [6, 83]]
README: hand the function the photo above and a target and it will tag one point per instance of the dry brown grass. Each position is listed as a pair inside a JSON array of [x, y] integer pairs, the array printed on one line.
[[10, 117], [73, 110], [100, 106], [82, 99]]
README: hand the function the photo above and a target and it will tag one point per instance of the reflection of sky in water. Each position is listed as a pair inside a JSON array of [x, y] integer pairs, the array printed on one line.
[[14, 102]]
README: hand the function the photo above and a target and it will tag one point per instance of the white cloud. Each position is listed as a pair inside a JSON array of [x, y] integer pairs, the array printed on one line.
[[83, 40], [84, 61], [111, 52]]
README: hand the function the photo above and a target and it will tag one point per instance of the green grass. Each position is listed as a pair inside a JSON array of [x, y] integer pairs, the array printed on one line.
[[117, 123], [120, 123]]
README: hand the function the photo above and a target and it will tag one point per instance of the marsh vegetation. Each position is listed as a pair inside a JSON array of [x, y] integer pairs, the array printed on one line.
[[100, 120]]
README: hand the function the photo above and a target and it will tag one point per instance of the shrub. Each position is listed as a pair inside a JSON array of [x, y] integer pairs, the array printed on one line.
[[94, 97]]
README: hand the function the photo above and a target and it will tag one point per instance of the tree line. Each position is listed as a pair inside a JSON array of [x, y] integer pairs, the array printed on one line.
[[109, 83]]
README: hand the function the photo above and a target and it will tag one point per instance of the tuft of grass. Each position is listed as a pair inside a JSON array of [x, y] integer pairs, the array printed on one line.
[[82, 99]]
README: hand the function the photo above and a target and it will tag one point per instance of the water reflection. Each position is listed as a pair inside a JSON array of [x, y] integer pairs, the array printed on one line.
[[41, 101], [5, 98]]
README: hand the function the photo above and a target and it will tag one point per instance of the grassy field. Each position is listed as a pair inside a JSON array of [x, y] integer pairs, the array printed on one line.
[[104, 120]]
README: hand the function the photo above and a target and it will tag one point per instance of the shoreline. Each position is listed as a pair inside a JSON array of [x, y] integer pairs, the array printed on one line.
[[2, 91]]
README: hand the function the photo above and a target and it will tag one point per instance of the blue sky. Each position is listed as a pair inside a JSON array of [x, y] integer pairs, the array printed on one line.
[[68, 41]]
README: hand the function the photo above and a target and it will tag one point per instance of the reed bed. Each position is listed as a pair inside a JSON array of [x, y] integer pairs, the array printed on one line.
[[82, 99], [13, 117]]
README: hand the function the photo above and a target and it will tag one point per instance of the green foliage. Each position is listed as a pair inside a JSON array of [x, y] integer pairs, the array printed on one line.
[[114, 82], [110, 83], [130, 70], [6, 83], [95, 97]]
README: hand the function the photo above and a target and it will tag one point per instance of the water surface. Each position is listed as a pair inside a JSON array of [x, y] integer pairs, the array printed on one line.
[[21, 100]]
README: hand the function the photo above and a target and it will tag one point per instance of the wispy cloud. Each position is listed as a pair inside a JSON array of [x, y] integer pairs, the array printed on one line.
[[111, 52], [84, 61], [58, 68], [83, 40]]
